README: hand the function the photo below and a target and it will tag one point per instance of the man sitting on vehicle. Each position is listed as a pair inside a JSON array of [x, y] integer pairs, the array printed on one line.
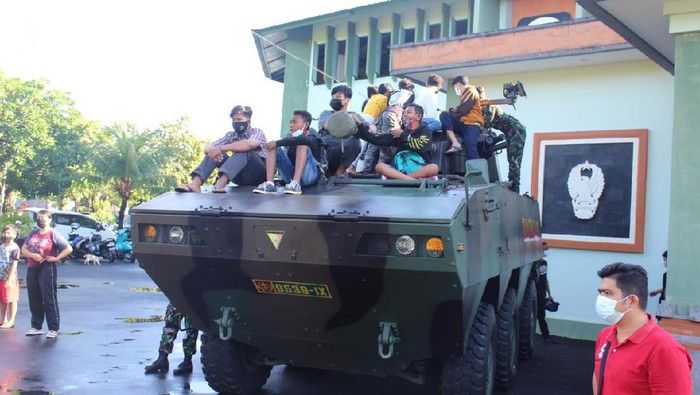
[[341, 152], [413, 145], [298, 166], [246, 168]]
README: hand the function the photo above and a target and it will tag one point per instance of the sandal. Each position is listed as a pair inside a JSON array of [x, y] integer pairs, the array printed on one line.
[[453, 149], [185, 188], [218, 189]]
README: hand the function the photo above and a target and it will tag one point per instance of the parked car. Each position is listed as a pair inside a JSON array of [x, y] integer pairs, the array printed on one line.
[[62, 220]]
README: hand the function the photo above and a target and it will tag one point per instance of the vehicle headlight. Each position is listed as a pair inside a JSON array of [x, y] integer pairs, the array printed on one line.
[[405, 245], [176, 234]]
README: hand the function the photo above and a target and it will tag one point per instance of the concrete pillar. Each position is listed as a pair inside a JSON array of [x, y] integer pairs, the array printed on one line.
[[297, 76], [684, 228]]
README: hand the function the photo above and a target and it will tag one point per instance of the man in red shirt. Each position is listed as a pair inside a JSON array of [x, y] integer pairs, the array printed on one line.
[[635, 355]]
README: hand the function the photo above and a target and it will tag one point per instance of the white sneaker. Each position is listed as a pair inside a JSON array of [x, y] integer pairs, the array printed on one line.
[[266, 187], [293, 188], [51, 334], [34, 332]]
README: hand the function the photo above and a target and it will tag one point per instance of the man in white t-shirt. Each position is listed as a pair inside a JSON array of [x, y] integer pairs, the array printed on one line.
[[428, 99]]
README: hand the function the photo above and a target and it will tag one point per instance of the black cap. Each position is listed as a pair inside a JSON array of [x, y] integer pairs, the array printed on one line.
[[245, 110]]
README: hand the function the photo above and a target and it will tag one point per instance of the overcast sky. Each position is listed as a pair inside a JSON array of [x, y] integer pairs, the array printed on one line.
[[151, 61]]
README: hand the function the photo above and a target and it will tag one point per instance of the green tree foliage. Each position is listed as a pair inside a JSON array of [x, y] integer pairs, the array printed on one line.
[[126, 160], [39, 129], [179, 153], [141, 164], [53, 153]]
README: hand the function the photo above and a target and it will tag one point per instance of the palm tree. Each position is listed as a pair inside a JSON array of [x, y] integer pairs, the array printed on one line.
[[128, 160]]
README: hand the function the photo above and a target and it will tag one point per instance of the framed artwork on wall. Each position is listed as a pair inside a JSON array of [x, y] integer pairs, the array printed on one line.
[[591, 188]]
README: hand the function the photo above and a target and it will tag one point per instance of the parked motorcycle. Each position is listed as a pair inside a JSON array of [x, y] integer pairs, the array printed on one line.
[[105, 248], [80, 244], [124, 249]]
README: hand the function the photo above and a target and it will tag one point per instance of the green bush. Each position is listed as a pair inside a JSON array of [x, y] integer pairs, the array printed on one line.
[[25, 223]]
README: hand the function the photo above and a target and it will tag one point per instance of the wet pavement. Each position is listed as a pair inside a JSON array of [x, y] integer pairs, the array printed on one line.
[[110, 328]]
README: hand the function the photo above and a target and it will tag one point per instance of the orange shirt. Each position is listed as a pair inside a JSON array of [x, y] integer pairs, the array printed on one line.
[[469, 109]]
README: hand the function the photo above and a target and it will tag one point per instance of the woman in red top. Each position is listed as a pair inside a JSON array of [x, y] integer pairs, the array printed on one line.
[[44, 248]]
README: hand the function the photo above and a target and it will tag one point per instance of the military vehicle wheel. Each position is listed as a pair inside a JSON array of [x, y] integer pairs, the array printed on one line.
[[473, 372], [231, 367], [506, 341], [527, 322]]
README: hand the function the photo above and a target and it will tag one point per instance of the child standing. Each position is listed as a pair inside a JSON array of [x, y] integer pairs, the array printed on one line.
[[9, 284]]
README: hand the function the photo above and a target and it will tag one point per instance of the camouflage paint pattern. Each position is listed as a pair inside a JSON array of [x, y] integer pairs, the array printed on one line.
[[173, 319], [309, 279], [515, 134]]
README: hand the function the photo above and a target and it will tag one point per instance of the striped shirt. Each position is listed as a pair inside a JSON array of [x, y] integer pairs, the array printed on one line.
[[251, 134]]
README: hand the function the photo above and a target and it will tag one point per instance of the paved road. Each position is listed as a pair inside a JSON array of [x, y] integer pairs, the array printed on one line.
[[109, 332]]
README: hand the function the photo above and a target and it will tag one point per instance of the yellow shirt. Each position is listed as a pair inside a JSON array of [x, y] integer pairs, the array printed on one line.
[[375, 105]]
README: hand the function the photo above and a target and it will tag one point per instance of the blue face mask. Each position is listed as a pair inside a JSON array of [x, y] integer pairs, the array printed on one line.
[[240, 126]]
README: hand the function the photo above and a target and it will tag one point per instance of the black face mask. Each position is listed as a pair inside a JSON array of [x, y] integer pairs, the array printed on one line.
[[240, 126], [336, 104], [41, 224]]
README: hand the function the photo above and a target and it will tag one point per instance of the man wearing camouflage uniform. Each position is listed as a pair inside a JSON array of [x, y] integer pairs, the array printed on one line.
[[173, 319], [513, 130]]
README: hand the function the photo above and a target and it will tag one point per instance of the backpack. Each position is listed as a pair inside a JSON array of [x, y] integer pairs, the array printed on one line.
[[408, 161]]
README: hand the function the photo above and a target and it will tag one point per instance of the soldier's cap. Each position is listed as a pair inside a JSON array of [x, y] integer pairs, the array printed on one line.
[[239, 109], [341, 125]]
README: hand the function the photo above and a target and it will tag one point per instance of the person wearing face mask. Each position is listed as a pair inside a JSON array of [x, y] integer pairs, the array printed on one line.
[[413, 144], [300, 158], [246, 168], [341, 152], [466, 120], [635, 356], [44, 248]]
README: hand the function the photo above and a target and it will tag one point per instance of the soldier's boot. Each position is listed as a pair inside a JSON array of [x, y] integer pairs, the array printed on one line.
[[160, 365], [184, 368]]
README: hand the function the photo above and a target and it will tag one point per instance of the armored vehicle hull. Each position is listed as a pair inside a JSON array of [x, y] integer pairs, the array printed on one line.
[[396, 279]]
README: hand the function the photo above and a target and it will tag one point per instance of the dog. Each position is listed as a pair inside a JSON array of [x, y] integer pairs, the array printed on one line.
[[91, 259]]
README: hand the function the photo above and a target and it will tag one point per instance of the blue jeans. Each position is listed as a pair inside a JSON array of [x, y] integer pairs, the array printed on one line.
[[286, 168], [470, 133], [433, 124]]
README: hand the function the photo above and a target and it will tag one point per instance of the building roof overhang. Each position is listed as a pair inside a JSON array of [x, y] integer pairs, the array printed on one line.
[[642, 23], [271, 42]]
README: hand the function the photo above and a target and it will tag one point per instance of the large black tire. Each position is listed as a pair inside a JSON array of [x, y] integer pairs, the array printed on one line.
[[473, 372], [231, 367], [129, 257], [507, 341], [527, 322]]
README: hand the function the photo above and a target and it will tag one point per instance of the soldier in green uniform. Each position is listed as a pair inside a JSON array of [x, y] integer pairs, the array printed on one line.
[[173, 319], [514, 131]]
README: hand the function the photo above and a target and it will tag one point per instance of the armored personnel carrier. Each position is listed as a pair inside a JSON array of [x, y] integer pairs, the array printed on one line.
[[428, 280]]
